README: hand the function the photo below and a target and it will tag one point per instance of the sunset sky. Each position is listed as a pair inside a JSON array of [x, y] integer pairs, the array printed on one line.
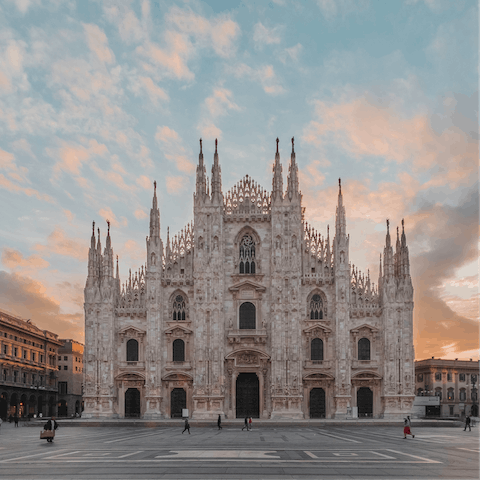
[[100, 98]]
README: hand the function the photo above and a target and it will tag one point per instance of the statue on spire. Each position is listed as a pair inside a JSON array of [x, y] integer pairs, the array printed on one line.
[[200, 145], [154, 184], [216, 143], [108, 227], [339, 185], [277, 144], [293, 151], [93, 229]]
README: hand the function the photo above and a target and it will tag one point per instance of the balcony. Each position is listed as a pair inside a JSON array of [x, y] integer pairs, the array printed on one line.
[[249, 336]]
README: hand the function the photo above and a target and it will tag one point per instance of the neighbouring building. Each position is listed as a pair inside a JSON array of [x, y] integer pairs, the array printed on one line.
[[446, 388], [249, 311], [28, 368], [70, 378]]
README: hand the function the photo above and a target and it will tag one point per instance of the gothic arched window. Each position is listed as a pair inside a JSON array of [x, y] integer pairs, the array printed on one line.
[[316, 349], [179, 308], [178, 350], [132, 351], [316, 307], [364, 349], [247, 255], [247, 316]]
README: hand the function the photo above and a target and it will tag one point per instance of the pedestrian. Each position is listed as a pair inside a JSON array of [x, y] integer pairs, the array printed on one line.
[[245, 424], [187, 426], [250, 423], [467, 424], [1, 421], [219, 422], [51, 425], [406, 427], [15, 419]]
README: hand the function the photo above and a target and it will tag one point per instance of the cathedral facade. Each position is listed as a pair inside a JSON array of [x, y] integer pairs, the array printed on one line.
[[248, 311]]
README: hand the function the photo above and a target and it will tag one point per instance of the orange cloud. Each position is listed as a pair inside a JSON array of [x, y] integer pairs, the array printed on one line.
[[59, 244], [14, 260], [173, 149], [176, 185], [98, 43], [107, 214], [140, 214], [12, 187]]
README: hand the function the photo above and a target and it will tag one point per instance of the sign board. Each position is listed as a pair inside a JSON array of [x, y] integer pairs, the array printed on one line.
[[432, 401], [185, 412]]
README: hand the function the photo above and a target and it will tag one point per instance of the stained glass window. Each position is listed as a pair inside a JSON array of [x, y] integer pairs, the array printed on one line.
[[247, 255]]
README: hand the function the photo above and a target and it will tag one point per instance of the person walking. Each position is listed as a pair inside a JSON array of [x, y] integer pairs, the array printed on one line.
[[187, 426], [245, 424], [406, 427], [15, 419], [51, 425], [250, 423], [219, 422], [467, 424]]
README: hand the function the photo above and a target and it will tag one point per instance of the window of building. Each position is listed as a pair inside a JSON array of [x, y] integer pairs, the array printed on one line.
[[15, 351], [451, 410], [449, 377], [474, 395], [24, 378], [247, 255], [316, 307], [5, 349], [461, 377], [420, 377], [438, 393], [364, 349], [34, 377], [473, 378], [15, 376], [62, 388], [34, 357], [450, 394], [247, 316], [76, 369], [59, 359], [65, 367], [179, 306], [4, 375], [42, 380], [438, 376], [178, 350], [65, 358], [59, 367], [41, 358], [462, 395], [316, 348], [24, 354], [132, 350]]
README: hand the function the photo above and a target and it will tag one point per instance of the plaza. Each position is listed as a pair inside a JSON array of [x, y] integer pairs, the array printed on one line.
[[290, 451]]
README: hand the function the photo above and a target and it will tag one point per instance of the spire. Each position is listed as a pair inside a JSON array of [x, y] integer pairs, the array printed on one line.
[[154, 215], [108, 244], [92, 241], [216, 177], [99, 245], [404, 238], [341, 221], [201, 183], [168, 250], [388, 260], [387, 239], [292, 184], [117, 276], [277, 182]]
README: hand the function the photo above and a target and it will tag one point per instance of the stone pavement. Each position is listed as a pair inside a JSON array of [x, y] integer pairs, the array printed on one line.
[[271, 452]]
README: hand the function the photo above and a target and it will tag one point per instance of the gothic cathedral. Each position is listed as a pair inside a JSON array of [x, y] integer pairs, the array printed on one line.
[[249, 311]]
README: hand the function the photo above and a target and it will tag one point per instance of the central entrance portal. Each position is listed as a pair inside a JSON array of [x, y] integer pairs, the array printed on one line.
[[248, 396], [132, 403], [365, 402], [178, 401], [317, 403]]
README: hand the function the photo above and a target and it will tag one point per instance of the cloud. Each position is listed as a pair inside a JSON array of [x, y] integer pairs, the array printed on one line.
[[144, 182], [22, 145], [58, 243], [132, 251], [154, 92], [209, 131], [265, 36], [14, 260], [140, 214], [331, 8], [173, 149], [265, 75], [70, 216], [107, 214], [220, 102], [291, 54], [12, 187], [12, 61], [98, 43], [176, 185], [27, 299]]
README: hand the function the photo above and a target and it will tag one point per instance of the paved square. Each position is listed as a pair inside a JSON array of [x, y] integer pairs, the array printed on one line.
[[265, 452]]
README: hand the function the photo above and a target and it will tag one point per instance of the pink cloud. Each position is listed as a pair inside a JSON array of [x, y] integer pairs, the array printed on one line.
[[14, 260], [173, 149], [98, 43], [12, 187], [58, 243], [176, 185], [209, 131], [140, 214], [107, 214], [220, 102], [144, 182]]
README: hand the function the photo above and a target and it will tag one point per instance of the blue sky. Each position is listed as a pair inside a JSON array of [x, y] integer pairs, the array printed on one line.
[[100, 98]]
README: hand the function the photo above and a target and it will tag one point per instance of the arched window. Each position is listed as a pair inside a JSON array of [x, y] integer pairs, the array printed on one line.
[[316, 349], [450, 394], [178, 350], [316, 307], [179, 308], [364, 349], [247, 316], [132, 351], [247, 255]]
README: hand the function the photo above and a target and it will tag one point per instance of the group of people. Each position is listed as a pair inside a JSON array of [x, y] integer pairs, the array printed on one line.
[[247, 424]]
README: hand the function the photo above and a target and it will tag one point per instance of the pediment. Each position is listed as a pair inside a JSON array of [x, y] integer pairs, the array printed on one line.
[[132, 376], [318, 376], [367, 375], [365, 326], [178, 376], [132, 331], [247, 285], [317, 326], [178, 329], [247, 351]]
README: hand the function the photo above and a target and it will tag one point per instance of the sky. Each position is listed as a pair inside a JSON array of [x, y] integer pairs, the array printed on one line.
[[100, 98]]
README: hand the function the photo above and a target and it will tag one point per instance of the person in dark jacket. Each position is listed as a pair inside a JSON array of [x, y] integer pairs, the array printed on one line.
[[15, 419], [187, 426], [467, 424], [51, 425], [219, 422], [245, 424]]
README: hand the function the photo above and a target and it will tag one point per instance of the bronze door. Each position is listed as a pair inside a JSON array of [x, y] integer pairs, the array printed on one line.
[[248, 396], [178, 401], [132, 403], [365, 402], [317, 403]]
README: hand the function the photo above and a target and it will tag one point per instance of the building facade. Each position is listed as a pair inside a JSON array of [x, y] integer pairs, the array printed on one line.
[[453, 382], [70, 378], [249, 311], [28, 368]]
